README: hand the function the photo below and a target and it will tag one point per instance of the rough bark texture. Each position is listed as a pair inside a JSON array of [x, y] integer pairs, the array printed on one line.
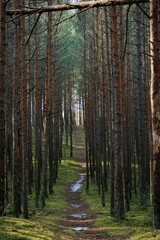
[[119, 197], [44, 193], [141, 120], [50, 107], [29, 117], [155, 104], [38, 121], [16, 124], [2, 104], [24, 120]]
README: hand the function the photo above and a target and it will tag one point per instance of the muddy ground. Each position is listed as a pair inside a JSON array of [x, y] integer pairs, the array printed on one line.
[[79, 216]]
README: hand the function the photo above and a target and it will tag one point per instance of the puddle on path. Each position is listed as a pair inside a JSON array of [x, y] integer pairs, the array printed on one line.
[[80, 216], [76, 205], [80, 229], [77, 186]]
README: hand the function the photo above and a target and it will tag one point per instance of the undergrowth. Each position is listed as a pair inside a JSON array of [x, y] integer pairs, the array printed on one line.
[[137, 224], [43, 224], [46, 224]]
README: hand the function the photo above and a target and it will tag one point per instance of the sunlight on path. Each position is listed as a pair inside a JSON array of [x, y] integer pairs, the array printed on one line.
[[79, 143], [80, 218]]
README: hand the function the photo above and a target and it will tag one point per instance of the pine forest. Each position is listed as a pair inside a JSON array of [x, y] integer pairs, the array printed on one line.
[[79, 119]]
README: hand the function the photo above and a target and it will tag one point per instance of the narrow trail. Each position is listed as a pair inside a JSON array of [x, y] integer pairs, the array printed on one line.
[[79, 216]]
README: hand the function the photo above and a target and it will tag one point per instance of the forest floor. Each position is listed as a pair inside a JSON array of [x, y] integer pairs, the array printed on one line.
[[80, 217], [70, 213]]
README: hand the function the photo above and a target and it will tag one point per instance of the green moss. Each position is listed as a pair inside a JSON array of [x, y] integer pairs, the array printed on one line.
[[44, 224], [137, 224]]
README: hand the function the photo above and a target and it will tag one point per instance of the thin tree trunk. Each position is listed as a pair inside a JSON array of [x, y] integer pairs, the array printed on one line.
[[119, 195], [2, 103], [50, 107], [125, 160], [70, 115], [44, 193], [24, 120], [38, 121], [16, 123], [103, 124], [141, 120], [155, 105], [29, 118]]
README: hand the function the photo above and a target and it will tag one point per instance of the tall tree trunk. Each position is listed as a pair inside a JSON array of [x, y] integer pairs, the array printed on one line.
[[16, 122], [65, 113], [24, 120], [38, 121], [56, 109], [125, 160], [85, 105], [9, 125], [141, 120], [110, 108], [119, 194], [155, 105], [29, 117], [50, 110], [2, 103], [70, 114], [103, 123], [44, 193]]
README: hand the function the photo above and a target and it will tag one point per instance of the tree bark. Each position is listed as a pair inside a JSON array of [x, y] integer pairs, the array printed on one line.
[[29, 117], [50, 107], [24, 119], [141, 120], [2, 103], [38, 121], [155, 106], [16, 123], [119, 194]]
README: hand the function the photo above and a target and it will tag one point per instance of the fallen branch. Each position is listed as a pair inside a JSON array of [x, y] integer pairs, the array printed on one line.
[[78, 5]]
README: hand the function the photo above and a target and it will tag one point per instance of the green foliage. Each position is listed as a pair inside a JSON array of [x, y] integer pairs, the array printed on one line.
[[138, 222], [44, 224]]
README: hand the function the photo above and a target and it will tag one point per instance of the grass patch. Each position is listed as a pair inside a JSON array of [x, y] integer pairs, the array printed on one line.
[[138, 222], [44, 224]]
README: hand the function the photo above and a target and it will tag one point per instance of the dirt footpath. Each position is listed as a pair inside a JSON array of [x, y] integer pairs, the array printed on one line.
[[79, 216]]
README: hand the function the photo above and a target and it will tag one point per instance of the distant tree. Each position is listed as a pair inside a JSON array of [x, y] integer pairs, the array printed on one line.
[[69, 93]]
